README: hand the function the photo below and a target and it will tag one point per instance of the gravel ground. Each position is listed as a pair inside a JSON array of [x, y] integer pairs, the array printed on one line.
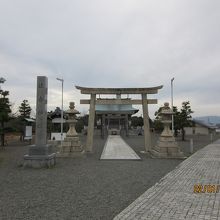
[[79, 188]]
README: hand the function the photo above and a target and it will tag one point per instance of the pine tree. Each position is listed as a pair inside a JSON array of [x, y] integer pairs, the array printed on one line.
[[25, 109], [183, 117], [4, 112]]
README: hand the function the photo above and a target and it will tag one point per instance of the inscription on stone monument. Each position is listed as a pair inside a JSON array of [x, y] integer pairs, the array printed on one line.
[[41, 119]]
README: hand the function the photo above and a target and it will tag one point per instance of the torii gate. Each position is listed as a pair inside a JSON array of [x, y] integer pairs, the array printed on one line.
[[118, 91]]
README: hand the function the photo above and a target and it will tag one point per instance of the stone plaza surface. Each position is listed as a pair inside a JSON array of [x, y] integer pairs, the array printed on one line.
[[177, 196], [80, 188], [117, 149]]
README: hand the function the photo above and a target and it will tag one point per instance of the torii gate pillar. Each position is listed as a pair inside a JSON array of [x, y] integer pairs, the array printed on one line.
[[147, 135], [90, 131]]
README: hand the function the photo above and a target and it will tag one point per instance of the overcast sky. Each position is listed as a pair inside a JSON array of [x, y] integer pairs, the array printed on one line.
[[114, 43]]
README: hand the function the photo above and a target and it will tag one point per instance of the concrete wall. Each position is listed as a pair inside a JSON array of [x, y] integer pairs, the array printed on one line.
[[197, 130], [201, 130]]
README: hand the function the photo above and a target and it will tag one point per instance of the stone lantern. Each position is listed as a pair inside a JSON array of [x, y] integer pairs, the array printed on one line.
[[166, 119], [71, 145], [71, 115], [167, 146]]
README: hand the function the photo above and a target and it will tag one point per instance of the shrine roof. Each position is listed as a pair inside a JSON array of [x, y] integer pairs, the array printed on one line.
[[115, 108]]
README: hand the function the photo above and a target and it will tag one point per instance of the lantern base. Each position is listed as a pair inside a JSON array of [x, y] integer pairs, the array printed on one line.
[[167, 147], [71, 147]]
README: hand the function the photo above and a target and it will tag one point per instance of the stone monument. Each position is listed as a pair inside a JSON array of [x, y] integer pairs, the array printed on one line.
[[167, 146], [71, 145], [40, 155]]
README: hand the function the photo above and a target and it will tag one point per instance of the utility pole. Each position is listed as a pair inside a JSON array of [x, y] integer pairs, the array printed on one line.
[[61, 80], [172, 103]]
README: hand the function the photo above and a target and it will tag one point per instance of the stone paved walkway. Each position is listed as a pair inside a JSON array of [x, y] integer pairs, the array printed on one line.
[[116, 149], [191, 191]]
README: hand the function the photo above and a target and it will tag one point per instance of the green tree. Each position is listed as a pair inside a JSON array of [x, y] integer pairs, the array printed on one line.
[[158, 125], [157, 114], [25, 109], [85, 119], [182, 118], [4, 111], [137, 121], [79, 125]]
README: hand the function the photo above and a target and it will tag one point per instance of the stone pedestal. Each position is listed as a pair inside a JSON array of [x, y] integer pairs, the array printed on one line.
[[40, 155], [71, 146], [37, 159], [167, 146]]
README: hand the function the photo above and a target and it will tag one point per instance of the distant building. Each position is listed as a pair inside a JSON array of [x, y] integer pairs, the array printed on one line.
[[114, 118], [55, 126], [218, 128], [200, 127]]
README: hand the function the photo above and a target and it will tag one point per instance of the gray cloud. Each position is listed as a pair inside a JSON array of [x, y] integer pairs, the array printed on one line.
[[123, 43]]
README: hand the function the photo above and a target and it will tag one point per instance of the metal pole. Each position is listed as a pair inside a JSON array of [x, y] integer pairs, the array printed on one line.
[[62, 118], [172, 103], [61, 114]]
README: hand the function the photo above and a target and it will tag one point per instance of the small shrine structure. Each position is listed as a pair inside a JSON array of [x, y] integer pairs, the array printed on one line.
[[55, 124], [114, 119]]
